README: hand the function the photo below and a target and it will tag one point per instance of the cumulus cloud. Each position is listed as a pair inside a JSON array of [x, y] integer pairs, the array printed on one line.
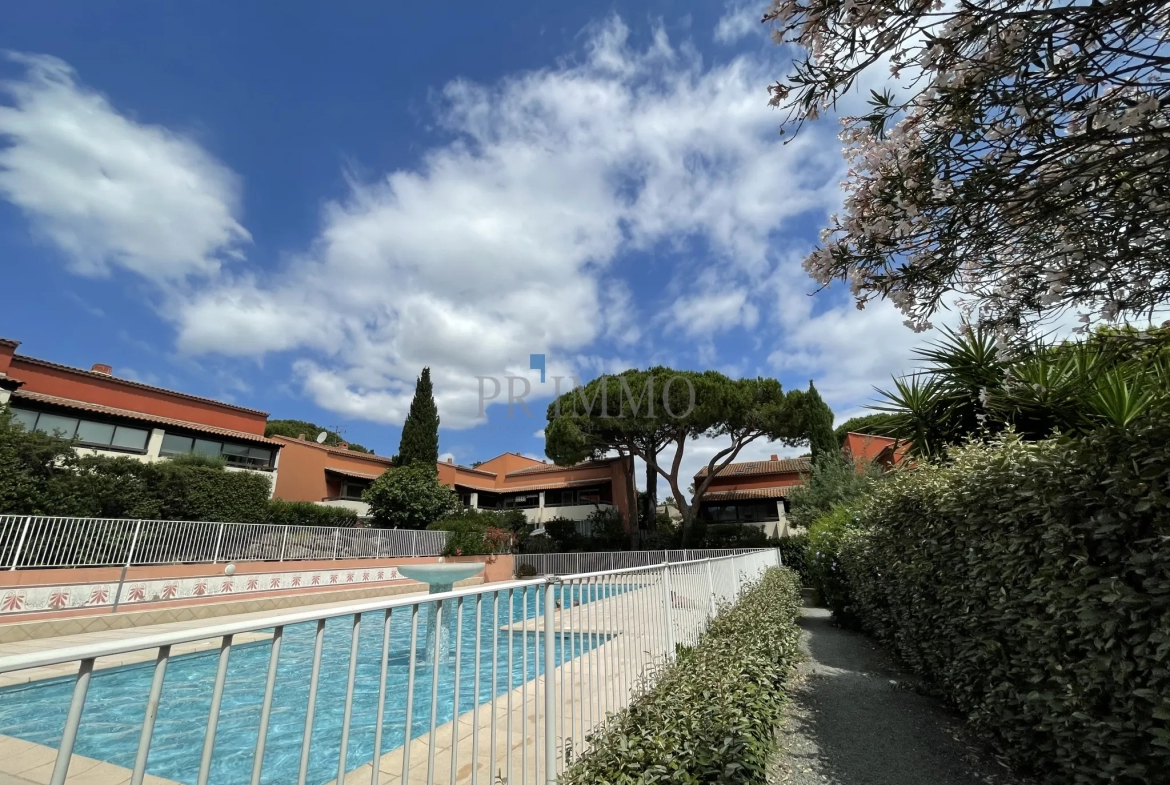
[[504, 240], [109, 191]]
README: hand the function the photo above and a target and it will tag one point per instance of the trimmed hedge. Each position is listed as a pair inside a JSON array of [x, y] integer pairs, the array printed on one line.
[[1030, 585], [711, 715], [794, 555], [308, 514]]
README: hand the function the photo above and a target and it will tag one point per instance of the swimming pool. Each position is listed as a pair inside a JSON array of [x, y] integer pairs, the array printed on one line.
[[113, 713]]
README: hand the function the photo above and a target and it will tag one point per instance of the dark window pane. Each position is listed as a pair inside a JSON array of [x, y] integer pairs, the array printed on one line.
[[235, 449], [130, 438], [207, 447], [260, 455], [95, 432], [174, 444], [24, 418], [55, 424]]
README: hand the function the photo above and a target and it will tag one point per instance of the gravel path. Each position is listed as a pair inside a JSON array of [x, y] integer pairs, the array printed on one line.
[[856, 719]]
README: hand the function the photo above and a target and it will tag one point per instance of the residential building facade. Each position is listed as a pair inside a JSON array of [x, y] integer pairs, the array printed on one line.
[[334, 476], [754, 493], [110, 416], [543, 491]]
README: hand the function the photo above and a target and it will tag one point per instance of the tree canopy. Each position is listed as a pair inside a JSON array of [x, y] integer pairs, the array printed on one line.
[[641, 413], [1022, 162], [410, 497], [420, 432], [294, 428], [821, 441]]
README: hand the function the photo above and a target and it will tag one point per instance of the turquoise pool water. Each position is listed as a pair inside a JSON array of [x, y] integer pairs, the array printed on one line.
[[114, 709]]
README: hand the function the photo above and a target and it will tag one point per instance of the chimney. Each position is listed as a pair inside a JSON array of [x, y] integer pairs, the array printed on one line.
[[774, 458], [301, 437], [343, 445], [103, 369], [450, 460]]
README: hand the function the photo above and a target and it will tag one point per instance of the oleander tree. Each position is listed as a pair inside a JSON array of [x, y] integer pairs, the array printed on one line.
[[1019, 166]]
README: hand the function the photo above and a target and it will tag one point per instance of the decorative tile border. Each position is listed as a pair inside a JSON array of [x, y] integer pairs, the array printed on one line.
[[29, 599]]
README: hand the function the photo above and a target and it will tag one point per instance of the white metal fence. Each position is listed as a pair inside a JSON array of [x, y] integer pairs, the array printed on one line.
[[572, 563], [506, 683], [29, 541]]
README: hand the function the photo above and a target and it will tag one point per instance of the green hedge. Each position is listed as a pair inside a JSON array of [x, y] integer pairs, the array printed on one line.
[[712, 714], [308, 514], [794, 555], [1030, 584], [476, 533]]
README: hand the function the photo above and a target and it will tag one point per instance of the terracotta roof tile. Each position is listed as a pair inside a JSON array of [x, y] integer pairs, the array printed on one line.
[[111, 411], [778, 492], [369, 456], [554, 468], [784, 465], [551, 485], [20, 358]]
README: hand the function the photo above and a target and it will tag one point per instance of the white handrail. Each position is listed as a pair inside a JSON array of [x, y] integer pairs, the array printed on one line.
[[600, 639]]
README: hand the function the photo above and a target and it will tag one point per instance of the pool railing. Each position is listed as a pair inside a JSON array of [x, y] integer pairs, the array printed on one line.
[[596, 639]]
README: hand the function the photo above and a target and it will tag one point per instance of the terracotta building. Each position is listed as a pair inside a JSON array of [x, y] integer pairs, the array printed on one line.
[[754, 493], [335, 476], [884, 451], [119, 417], [543, 491]]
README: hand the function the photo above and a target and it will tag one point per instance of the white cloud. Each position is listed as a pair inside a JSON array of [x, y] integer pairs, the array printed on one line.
[[504, 241], [738, 21], [539, 434], [714, 312], [109, 191]]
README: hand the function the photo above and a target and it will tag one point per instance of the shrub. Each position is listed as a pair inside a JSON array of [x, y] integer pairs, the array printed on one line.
[[309, 514], [825, 540], [475, 533], [831, 482], [410, 497], [1030, 585], [794, 555], [732, 535], [711, 715], [525, 571]]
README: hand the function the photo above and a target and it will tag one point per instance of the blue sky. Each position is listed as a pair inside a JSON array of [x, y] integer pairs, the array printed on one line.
[[296, 211]]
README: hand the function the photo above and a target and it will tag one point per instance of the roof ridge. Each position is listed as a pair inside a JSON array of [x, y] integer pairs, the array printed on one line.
[[331, 448], [110, 378]]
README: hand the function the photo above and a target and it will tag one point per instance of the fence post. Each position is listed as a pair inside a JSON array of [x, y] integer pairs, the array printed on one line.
[[414, 542], [550, 685], [283, 543], [20, 543], [668, 607], [126, 566], [710, 589], [336, 539], [735, 572], [218, 542]]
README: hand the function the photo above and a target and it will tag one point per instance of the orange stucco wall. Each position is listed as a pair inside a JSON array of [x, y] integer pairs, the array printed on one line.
[[301, 475], [85, 387]]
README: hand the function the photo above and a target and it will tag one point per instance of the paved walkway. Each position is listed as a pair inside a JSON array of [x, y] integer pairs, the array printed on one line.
[[856, 719]]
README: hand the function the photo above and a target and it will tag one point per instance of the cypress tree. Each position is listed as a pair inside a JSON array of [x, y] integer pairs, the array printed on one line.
[[420, 432], [821, 440]]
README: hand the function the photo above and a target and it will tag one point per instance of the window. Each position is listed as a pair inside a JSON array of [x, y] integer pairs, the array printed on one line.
[[55, 424], [522, 501], [95, 433], [233, 453], [24, 418], [129, 438], [89, 433], [353, 489], [173, 444]]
